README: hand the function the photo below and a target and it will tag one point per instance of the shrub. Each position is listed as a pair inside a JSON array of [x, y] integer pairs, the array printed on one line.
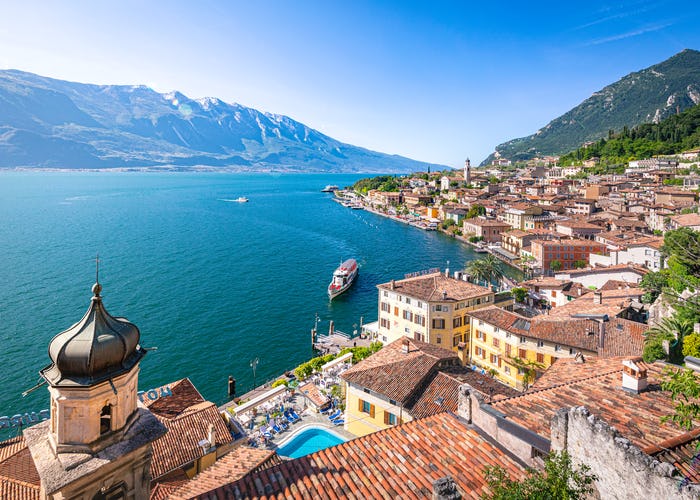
[[691, 345], [280, 382], [653, 351]]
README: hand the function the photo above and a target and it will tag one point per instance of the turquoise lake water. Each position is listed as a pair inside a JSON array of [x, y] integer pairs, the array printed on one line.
[[212, 284]]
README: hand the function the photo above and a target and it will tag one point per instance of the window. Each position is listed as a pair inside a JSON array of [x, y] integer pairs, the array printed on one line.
[[438, 339], [496, 329], [366, 407], [508, 335], [386, 294], [540, 343], [419, 336], [116, 492], [481, 322], [396, 310], [557, 347], [571, 350], [523, 340], [389, 418], [106, 419], [407, 330], [420, 304], [385, 307], [522, 353], [408, 301], [457, 322], [496, 342], [540, 357], [456, 340], [385, 323], [480, 335], [438, 323], [408, 315], [480, 352], [508, 349], [507, 369], [419, 320]]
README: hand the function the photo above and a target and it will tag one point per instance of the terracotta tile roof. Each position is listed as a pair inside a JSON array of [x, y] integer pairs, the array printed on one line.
[[441, 392], [505, 320], [431, 287], [398, 375], [19, 478], [184, 395], [682, 452], [165, 488], [310, 391], [686, 219], [613, 303], [603, 270], [636, 416], [180, 445], [232, 467], [580, 333], [548, 282], [399, 462]]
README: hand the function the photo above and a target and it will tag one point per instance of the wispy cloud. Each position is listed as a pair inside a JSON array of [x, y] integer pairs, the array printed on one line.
[[628, 10], [629, 34]]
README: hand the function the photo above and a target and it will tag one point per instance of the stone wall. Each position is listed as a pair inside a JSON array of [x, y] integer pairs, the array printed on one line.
[[623, 470]]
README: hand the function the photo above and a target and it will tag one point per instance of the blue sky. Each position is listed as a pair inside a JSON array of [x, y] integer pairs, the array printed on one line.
[[435, 81]]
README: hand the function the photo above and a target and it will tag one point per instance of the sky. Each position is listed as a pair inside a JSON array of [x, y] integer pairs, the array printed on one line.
[[434, 81]]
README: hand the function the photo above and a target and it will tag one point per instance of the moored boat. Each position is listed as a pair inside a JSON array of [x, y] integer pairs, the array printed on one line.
[[343, 277], [330, 188], [242, 199]]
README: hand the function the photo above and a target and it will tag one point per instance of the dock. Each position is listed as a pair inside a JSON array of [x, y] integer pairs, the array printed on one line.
[[337, 341]]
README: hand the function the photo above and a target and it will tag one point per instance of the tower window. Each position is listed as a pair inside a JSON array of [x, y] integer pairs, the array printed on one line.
[[106, 419]]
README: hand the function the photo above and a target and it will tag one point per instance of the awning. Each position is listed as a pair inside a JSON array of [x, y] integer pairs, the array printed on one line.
[[258, 400], [337, 361]]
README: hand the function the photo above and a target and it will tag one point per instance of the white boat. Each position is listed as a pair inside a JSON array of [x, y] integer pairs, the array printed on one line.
[[330, 188], [242, 199], [343, 277]]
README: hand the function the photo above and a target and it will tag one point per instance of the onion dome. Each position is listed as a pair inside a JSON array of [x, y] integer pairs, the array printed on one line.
[[97, 348]]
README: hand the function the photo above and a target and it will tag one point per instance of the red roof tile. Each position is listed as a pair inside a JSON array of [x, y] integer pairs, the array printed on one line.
[[399, 462], [19, 478], [431, 287], [636, 416]]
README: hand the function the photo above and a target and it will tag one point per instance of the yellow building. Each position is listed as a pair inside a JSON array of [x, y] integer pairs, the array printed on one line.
[[509, 345], [430, 308], [515, 348]]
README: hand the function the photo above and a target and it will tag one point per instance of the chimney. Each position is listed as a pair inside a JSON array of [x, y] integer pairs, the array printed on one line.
[[597, 297], [634, 375], [211, 436], [444, 295], [601, 333], [405, 345], [579, 291], [393, 283], [447, 272]]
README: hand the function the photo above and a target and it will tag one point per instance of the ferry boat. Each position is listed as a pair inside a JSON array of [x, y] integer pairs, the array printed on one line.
[[329, 188], [343, 278]]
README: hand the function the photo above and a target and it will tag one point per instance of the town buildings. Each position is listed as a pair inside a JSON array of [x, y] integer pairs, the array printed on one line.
[[430, 308]]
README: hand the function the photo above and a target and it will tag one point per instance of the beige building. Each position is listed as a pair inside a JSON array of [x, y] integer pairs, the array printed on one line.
[[430, 308], [488, 229]]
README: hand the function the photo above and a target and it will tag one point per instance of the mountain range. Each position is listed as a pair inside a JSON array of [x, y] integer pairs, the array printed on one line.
[[649, 95], [49, 123]]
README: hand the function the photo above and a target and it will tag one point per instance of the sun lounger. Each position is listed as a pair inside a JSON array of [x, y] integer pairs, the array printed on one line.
[[339, 421], [276, 428], [294, 414], [335, 415]]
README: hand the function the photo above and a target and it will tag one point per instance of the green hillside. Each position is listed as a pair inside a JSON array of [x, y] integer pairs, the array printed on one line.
[[646, 96], [676, 134]]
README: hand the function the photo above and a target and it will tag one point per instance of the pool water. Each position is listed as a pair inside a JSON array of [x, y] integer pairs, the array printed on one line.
[[309, 441]]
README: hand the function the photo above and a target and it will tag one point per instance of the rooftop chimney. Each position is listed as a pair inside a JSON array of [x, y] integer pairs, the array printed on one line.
[[444, 295], [405, 346], [447, 272], [634, 375], [211, 435], [393, 283], [597, 297]]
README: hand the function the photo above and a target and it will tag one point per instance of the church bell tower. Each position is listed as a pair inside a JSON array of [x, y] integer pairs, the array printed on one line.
[[467, 172], [97, 442]]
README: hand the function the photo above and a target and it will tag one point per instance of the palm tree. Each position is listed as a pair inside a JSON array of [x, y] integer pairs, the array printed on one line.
[[486, 270], [671, 329]]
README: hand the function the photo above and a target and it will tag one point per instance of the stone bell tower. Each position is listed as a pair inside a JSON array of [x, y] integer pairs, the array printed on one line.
[[97, 443], [467, 172]]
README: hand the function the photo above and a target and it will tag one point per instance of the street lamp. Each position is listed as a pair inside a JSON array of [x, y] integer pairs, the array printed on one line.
[[254, 365]]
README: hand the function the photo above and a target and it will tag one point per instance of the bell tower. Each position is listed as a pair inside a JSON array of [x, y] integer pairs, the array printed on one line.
[[467, 172], [97, 442]]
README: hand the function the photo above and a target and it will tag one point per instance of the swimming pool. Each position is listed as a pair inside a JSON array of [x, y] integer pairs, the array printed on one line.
[[309, 441]]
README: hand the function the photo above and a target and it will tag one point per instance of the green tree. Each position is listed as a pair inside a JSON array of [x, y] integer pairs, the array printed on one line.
[[519, 294], [672, 330], [529, 369], [685, 393], [653, 284], [560, 480], [580, 264], [691, 345], [475, 211], [487, 270], [555, 265]]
